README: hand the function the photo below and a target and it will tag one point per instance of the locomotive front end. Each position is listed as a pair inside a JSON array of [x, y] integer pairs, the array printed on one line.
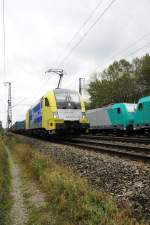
[[71, 109], [58, 112]]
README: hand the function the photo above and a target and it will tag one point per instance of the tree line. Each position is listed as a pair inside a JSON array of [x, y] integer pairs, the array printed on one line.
[[122, 81]]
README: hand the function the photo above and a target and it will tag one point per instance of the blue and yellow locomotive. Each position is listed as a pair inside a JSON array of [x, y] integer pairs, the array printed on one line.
[[58, 111]]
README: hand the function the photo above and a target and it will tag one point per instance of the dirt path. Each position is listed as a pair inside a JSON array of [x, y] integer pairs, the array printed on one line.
[[19, 211], [26, 195]]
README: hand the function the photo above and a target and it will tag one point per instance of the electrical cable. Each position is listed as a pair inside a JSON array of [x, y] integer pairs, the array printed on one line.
[[84, 24], [138, 49], [21, 105], [87, 32], [124, 50], [4, 42], [132, 53], [19, 102]]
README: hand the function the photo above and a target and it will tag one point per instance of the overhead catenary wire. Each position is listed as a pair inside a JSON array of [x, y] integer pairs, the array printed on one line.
[[4, 42], [18, 105], [89, 29], [87, 32], [139, 49], [135, 51], [84, 24], [124, 50], [22, 105], [4, 48], [19, 102]]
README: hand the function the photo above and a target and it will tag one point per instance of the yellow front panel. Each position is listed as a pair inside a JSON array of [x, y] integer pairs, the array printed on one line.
[[52, 101], [48, 121], [82, 104], [27, 120], [83, 120]]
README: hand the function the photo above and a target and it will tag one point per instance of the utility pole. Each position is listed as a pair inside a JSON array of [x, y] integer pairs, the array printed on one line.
[[9, 107], [60, 72], [80, 85]]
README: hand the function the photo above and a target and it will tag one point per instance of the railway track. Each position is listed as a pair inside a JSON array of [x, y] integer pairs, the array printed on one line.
[[119, 146], [137, 140], [121, 149]]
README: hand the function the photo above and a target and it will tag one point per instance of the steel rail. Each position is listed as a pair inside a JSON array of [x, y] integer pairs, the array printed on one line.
[[137, 140], [141, 153], [134, 152]]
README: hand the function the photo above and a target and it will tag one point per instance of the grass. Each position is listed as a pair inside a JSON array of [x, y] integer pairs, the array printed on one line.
[[71, 201], [5, 185]]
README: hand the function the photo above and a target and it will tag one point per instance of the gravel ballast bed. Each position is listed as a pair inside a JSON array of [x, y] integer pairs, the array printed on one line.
[[124, 179]]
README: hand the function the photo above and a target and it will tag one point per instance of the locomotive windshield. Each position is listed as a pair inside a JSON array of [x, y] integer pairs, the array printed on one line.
[[131, 108], [67, 100]]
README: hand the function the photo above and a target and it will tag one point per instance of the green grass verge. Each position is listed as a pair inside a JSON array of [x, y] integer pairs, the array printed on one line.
[[71, 201], [5, 185]]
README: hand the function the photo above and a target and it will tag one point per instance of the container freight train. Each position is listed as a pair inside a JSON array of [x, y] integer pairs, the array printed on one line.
[[60, 111], [121, 117]]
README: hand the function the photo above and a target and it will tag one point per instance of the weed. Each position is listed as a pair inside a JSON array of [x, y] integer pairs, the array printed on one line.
[[5, 184], [71, 200]]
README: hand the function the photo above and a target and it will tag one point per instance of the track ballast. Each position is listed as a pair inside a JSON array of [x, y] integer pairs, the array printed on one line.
[[121, 149], [133, 148]]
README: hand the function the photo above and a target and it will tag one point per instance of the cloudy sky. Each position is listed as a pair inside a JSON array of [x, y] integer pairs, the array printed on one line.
[[38, 35]]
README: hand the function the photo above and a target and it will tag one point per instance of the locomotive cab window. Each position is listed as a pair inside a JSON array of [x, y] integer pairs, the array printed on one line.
[[118, 110], [67, 100], [47, 102], [140, 107]]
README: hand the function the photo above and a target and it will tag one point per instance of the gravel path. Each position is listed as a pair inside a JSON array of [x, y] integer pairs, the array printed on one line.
[[26, 195], [19, 211], [124, 179]]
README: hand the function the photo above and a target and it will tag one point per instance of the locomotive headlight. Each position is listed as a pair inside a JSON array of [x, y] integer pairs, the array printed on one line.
[[55, 115], [83, 115]]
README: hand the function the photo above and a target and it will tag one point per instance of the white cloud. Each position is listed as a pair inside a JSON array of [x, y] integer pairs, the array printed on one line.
[[38, 31]]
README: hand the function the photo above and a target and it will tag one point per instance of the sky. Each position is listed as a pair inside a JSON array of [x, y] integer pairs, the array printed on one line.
[[38, 35]]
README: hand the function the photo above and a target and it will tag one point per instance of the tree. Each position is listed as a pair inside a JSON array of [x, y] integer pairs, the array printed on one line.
[[121, 82]]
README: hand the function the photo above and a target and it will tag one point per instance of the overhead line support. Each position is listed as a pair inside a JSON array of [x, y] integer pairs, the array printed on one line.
[[9, 106]]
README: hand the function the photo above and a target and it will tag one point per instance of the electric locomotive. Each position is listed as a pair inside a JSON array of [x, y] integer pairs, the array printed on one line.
[[59, 111], [142, 115], [117, 117]]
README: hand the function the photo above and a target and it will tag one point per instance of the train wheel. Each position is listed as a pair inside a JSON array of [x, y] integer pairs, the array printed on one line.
[[130, 129]]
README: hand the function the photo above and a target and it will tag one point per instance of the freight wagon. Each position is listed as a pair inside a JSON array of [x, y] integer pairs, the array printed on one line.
[[18, 126]]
